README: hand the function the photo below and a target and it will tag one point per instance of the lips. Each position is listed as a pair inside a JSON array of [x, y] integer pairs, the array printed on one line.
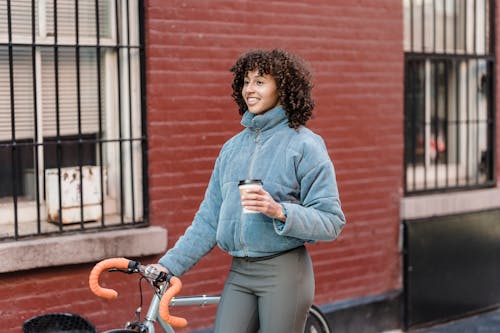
[[252, 101]]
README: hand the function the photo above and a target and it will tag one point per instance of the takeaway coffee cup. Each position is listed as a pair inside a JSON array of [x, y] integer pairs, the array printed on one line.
[[247, 184]]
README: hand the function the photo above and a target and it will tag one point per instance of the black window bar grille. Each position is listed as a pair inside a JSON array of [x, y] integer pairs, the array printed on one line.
[[449, 95], [88, 163]]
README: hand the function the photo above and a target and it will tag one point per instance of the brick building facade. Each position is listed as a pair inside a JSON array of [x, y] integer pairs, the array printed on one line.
[[355, 49]]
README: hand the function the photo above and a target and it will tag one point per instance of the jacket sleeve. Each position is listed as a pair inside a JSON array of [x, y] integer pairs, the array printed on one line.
[[200, 237], [319, 215]]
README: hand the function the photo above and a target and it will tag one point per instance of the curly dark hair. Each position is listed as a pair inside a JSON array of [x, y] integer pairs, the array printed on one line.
[[293, 81]]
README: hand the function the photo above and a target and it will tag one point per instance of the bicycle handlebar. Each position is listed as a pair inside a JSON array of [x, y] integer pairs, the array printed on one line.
[[135, 267], [119, 263]]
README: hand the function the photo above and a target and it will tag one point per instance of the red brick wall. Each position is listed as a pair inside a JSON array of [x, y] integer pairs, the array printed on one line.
[[65, 289], [355, 50]]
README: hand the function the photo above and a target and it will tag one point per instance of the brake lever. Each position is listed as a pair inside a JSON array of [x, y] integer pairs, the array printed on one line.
[[156, 276]]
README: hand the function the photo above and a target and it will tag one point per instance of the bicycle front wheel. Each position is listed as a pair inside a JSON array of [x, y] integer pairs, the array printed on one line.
[[316, 321]]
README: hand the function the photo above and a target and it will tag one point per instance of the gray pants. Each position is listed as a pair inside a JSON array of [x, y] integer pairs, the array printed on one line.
[[273, 295]]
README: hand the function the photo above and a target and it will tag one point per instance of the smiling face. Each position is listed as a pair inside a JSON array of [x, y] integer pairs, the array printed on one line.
[[260, 92]]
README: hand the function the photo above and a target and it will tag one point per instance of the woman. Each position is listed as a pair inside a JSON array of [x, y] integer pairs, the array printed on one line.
[[270, 284]]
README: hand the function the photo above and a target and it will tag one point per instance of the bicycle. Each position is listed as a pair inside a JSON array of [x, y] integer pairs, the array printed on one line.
[[166, 288]]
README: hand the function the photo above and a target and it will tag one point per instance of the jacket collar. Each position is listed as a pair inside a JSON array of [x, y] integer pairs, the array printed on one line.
[[265, 121]]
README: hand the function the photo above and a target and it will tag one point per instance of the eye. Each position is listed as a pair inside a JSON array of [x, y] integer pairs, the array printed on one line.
[[246, 82], [259, 83]]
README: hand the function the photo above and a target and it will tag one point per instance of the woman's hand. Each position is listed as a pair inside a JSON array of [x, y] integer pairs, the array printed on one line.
[[160, 268], [260, 201]]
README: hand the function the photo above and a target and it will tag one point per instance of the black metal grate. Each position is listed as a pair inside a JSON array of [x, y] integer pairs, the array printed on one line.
[[449, 95], [72, 95]]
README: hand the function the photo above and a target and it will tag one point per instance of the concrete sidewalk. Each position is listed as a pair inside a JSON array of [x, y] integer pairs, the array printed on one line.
[[487, 322]]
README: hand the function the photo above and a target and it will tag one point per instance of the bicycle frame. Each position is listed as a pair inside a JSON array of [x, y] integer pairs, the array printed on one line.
[[166, 287], [152, 314]]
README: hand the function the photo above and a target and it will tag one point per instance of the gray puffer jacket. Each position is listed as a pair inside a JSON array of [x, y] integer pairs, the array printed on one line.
[[296, 170]]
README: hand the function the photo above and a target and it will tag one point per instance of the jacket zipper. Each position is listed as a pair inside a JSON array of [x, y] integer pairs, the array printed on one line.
[[252, 161], [250, 175]]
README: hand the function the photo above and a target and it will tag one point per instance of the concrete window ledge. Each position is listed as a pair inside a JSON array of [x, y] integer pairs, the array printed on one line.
[[82, 248], [449, 203]]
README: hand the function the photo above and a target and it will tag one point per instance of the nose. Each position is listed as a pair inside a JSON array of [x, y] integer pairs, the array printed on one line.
[[248, 88]]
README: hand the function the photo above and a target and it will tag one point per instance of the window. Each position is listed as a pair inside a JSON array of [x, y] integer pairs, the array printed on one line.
[[449, 109], [72, 132]]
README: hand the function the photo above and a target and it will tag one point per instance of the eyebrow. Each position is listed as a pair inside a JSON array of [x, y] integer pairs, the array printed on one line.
[[259, 74]]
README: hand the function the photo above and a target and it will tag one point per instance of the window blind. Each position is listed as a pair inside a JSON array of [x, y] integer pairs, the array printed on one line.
[[23, 94], [66, 21], [66, 103], [20, 19]]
